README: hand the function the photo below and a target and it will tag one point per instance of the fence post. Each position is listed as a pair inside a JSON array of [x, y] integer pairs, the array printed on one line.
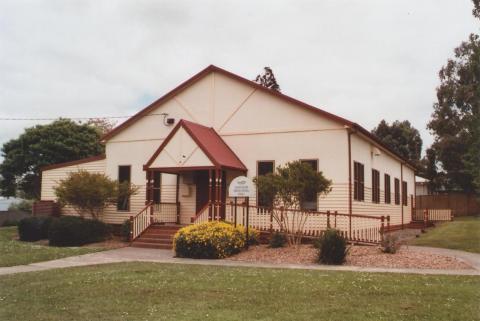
[[281, 218], [335, 219], [424, 219], [131, 229], [388, 223], [382, 227], [328, 219], [271, 221], [178, 212]]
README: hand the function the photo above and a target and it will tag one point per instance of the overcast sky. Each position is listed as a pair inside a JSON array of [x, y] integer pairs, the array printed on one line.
[[364, 60]]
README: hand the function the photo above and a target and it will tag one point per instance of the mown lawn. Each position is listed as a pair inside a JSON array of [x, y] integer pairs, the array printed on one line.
[[461, 234], [13, 252], [150, 291]]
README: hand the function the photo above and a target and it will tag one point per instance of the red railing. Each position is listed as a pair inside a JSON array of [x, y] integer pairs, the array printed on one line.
[[356, 228], [203, 215], [141, 221]]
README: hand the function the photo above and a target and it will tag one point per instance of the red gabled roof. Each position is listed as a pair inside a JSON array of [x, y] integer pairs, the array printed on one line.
[[71, 163], [213, 68], [209, 142]]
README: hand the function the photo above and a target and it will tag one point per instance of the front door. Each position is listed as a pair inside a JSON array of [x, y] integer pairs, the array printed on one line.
[[201, 184]]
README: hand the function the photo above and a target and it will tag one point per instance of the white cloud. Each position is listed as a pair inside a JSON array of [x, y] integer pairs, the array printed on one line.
[[364, 60]]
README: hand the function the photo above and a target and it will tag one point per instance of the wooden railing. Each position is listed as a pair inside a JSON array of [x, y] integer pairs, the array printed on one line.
[[357, 228], [166, 213], [432, 215], [141, 221], [202, 215]]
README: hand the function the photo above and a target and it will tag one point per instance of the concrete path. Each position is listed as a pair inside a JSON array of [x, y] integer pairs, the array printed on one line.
[[471, 258], [130, 254]]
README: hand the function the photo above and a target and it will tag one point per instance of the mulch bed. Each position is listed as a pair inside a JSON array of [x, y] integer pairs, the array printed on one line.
[[363, 256]]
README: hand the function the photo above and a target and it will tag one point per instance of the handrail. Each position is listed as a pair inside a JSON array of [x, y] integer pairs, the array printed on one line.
[[198, 215], [140, 222], [311, 212], [355, 227]]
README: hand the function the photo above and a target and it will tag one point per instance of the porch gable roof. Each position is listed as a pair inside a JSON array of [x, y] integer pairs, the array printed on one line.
[[208, 141]]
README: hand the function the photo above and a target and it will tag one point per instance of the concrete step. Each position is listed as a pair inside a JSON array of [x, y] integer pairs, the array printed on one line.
[[153, 240], [158, 233], [152, 245], [156, 237]]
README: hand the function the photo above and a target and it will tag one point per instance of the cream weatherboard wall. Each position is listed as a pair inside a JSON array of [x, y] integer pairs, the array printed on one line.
[[256, 126], [362, 151]]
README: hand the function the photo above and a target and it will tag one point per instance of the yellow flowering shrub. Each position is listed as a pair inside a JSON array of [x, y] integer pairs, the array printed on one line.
[[210, 240]]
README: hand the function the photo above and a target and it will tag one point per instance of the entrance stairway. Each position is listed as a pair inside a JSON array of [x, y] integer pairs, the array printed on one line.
[[157, 236]]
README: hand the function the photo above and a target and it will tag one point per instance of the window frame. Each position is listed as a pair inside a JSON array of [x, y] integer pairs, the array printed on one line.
[[313, 160], [404, 193], [396, 187], [257, 175], [358, 182], [127, 209], [387, 189], [375, 186]]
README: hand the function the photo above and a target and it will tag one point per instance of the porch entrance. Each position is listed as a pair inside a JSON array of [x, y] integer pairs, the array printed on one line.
[[205, 192]]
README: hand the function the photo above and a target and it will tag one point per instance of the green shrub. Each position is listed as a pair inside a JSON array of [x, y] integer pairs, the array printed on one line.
[[253, 234], [390, 244], [210, 240], [278, 239], [125, 230], [9, 223], [75, 231], [332, 247], [32, 229], [23, 206]]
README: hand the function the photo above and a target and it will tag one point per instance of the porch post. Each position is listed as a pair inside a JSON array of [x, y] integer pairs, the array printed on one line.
[[210, 194], [148, 187], [177, 198], [220, 193], [217, 189]]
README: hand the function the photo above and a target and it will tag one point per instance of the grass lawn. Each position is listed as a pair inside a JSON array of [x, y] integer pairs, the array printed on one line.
[[13, 252], [150, 291], [461, 234]]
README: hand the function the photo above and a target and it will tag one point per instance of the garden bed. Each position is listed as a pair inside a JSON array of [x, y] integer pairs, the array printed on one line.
[[364, 256]]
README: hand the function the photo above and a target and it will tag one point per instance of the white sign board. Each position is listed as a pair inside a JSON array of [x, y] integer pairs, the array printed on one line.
[[241, 186]]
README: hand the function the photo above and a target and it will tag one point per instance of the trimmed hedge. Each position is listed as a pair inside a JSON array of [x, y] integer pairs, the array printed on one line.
[[332, 247], [278, 239], [76, 231], [210, 240], [31, 229]]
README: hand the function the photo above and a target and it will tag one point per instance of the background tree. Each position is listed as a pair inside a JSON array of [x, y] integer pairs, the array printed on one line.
[[455, 121], [60, 141], [91, 193], [102, 125], [286, 190], [402, 137], [267, 79]]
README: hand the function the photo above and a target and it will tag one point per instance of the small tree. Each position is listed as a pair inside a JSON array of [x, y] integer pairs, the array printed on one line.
[[91, 193], [286, 191]]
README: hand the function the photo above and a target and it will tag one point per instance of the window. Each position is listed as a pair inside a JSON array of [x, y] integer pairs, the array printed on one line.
[[375, 186], [157, 184], [310, 203], [397, 191], [358, 182], [264, 168], [387, 189], [123, 203], [404, 194]]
